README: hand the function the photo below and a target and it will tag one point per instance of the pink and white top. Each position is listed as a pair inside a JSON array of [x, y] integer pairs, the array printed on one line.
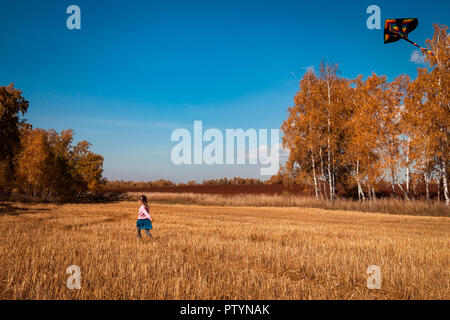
[[143, 213]]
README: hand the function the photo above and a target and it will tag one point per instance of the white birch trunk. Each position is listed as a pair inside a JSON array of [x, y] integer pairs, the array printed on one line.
[[439, 189], [427, 182], [323, 175], [360, 191], [314, 167], [444, 182], [314, 174], [330, 177], [407, 168]]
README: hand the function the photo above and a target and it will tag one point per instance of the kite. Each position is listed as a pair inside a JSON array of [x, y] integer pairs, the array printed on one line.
[[396, 29]]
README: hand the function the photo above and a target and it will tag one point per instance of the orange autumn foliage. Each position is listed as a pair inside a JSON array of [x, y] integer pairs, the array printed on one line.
[[363, 133]]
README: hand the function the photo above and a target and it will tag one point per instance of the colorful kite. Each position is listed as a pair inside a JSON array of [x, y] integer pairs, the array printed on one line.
[[396, 29]]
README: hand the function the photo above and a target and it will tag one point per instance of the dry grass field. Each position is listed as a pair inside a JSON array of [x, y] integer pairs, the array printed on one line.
[[384, 205], [212, 252]]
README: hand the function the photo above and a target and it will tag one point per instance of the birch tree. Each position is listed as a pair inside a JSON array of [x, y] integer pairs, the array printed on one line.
[[428, 109]]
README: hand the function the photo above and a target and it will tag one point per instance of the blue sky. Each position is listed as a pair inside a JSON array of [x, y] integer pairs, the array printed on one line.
[[137, 70]]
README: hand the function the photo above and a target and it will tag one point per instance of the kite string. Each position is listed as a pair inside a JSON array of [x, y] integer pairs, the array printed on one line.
[[421, 48]]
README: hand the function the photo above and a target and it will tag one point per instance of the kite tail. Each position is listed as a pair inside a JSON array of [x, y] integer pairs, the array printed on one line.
[[421, 48]]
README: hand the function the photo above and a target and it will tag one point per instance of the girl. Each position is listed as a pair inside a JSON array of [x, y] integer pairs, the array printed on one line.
[[144, 219]]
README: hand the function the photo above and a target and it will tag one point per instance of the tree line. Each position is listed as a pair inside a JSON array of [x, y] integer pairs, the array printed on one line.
[[367, 132], [162, 183], [42, 164]]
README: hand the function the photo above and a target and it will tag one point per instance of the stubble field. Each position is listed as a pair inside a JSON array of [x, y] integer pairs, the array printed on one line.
[[207, 252]]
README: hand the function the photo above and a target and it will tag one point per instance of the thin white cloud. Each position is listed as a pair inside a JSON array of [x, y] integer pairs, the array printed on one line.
[[114, 122], [131, 124], [310, 68], [417, 57]]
